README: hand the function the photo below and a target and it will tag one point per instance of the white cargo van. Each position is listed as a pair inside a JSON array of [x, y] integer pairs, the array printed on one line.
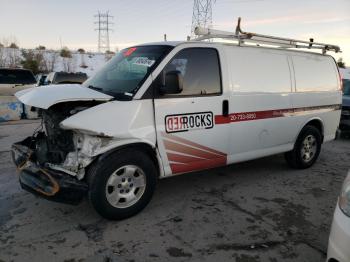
[[163, 109]]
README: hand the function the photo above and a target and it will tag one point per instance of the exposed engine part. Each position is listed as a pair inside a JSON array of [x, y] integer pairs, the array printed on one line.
[[86, 147], [53, 143]]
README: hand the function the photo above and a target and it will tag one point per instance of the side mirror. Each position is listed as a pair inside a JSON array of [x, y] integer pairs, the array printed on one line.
[[172, 84]]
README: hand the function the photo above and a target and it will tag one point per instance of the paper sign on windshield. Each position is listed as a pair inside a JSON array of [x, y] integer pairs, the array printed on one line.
[[144, 61]]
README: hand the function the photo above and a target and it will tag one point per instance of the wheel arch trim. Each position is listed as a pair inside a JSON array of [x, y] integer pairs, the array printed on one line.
[[314, 121], [146, 147]]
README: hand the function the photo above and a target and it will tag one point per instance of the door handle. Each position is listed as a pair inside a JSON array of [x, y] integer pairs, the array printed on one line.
[[225, 108]]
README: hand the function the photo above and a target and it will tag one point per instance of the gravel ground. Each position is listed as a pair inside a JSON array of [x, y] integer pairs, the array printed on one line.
[[259, 210]]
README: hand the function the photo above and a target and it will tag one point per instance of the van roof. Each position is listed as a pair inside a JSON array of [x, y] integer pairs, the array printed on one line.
[[176, 43], [166, 43]]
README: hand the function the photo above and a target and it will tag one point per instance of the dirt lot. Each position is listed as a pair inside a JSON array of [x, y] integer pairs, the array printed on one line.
[[255, 211]]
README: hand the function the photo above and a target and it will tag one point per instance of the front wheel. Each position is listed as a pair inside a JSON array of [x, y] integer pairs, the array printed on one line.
[[306, 149], [122, 184]]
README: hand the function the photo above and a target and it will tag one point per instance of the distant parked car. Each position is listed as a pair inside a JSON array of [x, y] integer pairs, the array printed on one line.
[[57, 78], [13, 80], [345, 113], [41, 79], [339, 239]]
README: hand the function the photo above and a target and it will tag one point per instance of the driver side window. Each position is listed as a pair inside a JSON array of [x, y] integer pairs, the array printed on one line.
[[200, 71]]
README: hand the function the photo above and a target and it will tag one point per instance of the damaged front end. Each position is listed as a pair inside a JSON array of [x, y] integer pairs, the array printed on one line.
[[42, 181], [52, 162]]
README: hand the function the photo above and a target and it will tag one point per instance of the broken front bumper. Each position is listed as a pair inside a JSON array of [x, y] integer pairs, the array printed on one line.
[[44, 182]]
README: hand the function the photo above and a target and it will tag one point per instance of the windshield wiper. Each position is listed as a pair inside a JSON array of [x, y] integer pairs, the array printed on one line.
[[95, 88], [117, 96], [122, 96]]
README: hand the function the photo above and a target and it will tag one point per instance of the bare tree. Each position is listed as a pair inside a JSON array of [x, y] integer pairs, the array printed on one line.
[[50, 59], [82, 61], [2, 57], [74, 63], [5, 42], [40, 57], [14, 58], [109, 55], [341, 63], [67, 64]]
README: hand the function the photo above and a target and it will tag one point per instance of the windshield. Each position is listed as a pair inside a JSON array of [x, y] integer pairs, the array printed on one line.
[[346, 87], [125, 73]]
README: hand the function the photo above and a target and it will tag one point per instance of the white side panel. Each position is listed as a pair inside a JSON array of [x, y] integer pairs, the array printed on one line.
[[261, 82], [317, 84]]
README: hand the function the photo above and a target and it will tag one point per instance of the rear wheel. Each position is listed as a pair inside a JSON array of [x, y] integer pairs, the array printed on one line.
[[122, 184], [306, 149]]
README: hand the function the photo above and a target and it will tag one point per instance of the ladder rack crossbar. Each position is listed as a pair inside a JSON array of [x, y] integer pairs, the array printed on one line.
[[280, 42]]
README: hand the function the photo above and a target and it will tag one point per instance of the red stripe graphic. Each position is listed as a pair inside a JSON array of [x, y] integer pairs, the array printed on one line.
[[182, 158], [187, 156], [199, 165], [188, 150], [257, 115], [190, 143]]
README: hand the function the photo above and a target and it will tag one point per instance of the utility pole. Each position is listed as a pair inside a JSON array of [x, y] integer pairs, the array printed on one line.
[[202, 14], [103, 23]]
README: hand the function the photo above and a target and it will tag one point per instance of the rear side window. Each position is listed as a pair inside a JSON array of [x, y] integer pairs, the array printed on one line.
[[259, 70], [12, 76], [200, 70], [315, 73]]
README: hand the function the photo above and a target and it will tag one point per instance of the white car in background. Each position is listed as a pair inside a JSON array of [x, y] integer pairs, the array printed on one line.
[[339, 239]]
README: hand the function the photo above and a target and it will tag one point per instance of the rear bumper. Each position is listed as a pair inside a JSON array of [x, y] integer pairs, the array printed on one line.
[[44, 182]]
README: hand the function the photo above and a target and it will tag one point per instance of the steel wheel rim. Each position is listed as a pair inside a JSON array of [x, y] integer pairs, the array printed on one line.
[[309, 148], [125, 186]]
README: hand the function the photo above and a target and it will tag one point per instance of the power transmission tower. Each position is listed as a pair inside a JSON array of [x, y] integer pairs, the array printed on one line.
[[202, 14], [103, 22]]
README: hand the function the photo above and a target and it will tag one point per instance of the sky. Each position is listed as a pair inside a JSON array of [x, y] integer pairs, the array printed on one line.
[[70, 23]]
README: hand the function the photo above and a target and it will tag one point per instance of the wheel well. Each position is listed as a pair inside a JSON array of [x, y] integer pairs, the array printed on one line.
[[146, 148], [317, 124]]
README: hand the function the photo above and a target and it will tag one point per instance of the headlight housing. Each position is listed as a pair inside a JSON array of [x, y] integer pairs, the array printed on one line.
[[344, 198]]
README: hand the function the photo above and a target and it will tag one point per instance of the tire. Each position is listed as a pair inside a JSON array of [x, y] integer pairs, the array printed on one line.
[[115, 183], [306, 149], [338, 134]]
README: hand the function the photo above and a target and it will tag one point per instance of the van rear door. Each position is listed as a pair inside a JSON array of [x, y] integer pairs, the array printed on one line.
[[187, 136]]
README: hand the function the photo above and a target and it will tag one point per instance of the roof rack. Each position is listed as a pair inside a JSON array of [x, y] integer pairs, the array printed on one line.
[[280, 42]]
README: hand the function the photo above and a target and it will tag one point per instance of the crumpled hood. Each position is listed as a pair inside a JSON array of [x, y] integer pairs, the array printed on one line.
[[46, 96], [346, 100]]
